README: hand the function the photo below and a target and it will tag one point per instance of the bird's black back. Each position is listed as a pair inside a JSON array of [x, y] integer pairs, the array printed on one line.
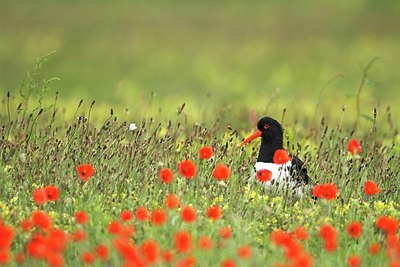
[[298, 170]]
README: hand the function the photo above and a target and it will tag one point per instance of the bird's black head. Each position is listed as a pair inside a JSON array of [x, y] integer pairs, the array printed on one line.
[[270, 128], [271, 133]]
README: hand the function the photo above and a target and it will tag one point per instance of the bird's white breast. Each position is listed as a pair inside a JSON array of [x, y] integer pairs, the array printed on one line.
[[281, 178], [280, 172]]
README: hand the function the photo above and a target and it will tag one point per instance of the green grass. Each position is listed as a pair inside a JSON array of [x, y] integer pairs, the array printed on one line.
[[191, 74], [38, 151]]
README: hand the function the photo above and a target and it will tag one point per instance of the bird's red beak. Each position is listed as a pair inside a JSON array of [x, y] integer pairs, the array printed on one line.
[[251, 137]]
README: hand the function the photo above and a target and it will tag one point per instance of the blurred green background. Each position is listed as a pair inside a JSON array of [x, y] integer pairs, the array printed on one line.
[[234, 58]]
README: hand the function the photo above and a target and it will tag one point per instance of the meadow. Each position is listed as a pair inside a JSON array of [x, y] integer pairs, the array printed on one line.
[[122, 147], [144, 194]]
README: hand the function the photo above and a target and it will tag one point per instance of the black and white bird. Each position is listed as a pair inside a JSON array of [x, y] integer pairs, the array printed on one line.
[[290, 176]]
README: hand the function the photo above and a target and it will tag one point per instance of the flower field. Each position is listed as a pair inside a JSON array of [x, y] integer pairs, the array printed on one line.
[[167, 177], [168, 193]]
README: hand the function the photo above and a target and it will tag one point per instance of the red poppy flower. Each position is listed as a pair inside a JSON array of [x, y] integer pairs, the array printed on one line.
[[81, 217], [188, 214], [354, 229], [394, 264], [126, 215], [188, 261], [127, 231], [281, 238], [187, 169], [20, 258], [303, 260], [329, 234], [56, 240], [41, 219], [172, 201], [318, 191], [52, 192], [214, 212], [166, 175], [228, 263], [205, 243], [37, 247], [206, 152], [55, 259], [142, 214], [150, 251], [40, 196], [79, 235], [183, 241], [387, 224], [128, 251], [293, 251], [114, 227], [354, 147], [26, 225], [87, 257], [168, 256], [374, 248], [221, 172], [85, 171], [292, 248], [264, 175], [225, 232], [244, 252], [392, 241], [158, 217], [327, 191], [102, 252], [281, 156], [331, 191], [370, 188], [4, 256], [330, 245], [327, 231], [353, 261], [6, 237], [301, 233]]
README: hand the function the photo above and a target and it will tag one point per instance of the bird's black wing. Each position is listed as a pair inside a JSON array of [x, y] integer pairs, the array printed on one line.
[[298, 171]]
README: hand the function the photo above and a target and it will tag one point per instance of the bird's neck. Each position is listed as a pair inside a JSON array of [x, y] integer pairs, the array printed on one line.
[[268, 148]]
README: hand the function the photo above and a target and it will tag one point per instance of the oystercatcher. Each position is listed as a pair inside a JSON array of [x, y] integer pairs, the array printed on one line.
[[290, 175]]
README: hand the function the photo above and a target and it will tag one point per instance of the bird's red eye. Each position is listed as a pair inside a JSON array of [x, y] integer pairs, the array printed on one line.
[[266, 126]]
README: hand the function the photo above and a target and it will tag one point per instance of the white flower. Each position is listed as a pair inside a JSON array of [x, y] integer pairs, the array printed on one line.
[[22, 157], [132, 127]]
